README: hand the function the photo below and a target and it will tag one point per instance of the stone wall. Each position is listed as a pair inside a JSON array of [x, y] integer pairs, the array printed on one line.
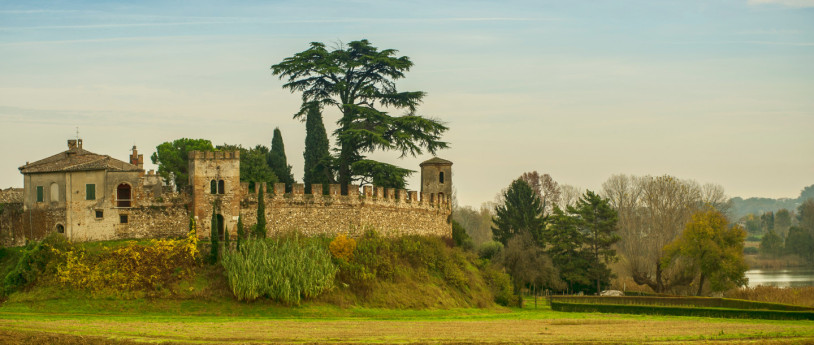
[[391, 212]]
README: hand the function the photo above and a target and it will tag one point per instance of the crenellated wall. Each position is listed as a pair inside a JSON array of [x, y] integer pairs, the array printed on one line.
[[392, 212]]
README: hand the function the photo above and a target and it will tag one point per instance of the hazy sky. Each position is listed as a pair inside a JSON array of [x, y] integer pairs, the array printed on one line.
[[716, 91]]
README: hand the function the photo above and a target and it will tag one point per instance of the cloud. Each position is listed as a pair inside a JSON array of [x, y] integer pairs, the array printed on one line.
[[787, 3]]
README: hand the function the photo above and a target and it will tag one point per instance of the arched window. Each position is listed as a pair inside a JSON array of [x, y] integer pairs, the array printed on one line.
[[54, 192], [441, 177], [60, 228], [440, 197], [221, 187], [123, 195], [213, 187]]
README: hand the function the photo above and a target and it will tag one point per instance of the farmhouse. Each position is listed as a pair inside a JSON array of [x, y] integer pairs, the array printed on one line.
[[89, 197]]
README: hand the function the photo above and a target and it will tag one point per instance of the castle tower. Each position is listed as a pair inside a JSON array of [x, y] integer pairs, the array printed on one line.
[[215, 181], [436, 178]]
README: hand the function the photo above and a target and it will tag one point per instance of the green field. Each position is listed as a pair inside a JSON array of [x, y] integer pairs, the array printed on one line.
[[92, 321]]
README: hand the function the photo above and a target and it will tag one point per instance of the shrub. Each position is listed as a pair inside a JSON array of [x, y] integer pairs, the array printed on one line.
[[284, 269], [489, 250], [129, 268], [460, 236], [37, 259], [501, 286], [751, 250], [342, 247]]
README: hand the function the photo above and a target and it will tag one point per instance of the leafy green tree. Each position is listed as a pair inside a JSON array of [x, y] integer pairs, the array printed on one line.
[[254, 166], [566, 250], [213, 238], [460, 237], [597, 222], [767, 221], [173, 159], [521, 212], [528, 265], [317, 167], [277, 161], [714, 249], [359, 80], [260, 227], [380, 174], [800, 242], [771, 244]]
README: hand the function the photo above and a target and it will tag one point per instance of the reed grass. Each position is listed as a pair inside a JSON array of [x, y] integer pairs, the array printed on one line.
[[284, 269], [797, 295]]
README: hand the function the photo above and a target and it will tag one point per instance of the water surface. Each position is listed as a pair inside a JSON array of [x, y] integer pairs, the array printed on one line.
[[784, 277]]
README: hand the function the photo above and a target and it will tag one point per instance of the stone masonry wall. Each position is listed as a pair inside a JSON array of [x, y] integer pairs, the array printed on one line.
[[389, 211]]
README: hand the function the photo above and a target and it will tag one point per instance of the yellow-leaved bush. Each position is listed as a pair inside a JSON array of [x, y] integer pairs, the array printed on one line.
[[145, 267], [343, 247]]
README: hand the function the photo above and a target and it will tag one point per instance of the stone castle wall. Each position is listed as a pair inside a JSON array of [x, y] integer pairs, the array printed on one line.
[[391, 212]]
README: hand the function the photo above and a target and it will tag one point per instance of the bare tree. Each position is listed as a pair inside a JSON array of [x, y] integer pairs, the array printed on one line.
[[652, 213], [569, 195], [546, 189]]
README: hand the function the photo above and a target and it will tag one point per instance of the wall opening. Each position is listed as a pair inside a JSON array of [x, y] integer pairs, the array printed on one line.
[[220, 226], [60, 228], [123, 195], [123, 219], [221, 187], [441, 177], [213, 187]]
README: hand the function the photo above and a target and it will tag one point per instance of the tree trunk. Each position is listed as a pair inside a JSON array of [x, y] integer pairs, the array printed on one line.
[[700, 285], [659, 282]]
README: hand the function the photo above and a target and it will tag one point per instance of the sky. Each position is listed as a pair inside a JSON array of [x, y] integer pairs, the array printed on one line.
[[715, 91]]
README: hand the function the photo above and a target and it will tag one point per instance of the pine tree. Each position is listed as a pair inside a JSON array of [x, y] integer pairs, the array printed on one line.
[[566, 250], [597, 222], [521, 212], [239, 231], [260, 227], [277, 161], [317, 158], [213, 238]]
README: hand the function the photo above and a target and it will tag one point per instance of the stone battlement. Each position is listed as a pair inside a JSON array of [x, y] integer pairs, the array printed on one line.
[[208, 155], [367, 194]]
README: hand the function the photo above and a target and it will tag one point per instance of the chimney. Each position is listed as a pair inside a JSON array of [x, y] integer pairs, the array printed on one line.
[[137, 159], [71, 144]]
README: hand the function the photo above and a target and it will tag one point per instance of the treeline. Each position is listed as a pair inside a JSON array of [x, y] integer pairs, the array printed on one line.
[[669, 234], [785, 232], [743, 207]]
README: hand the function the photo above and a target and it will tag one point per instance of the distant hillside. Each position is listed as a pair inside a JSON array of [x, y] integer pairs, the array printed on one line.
[[742, 207]]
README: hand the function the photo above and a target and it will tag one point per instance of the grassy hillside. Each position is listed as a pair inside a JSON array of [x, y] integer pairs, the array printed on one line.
[[408, 272]]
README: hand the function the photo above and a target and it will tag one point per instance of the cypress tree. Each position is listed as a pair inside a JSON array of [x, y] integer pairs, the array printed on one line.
[[277, 161], [213, 238], [239, 231], [225, 237], [260, 227], [316, 169]]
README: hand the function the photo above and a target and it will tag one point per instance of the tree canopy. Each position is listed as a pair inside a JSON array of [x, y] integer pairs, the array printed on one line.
[[359, 80], [317, 167], [521, 212], [713, 249], [173, 159], [597, 223]]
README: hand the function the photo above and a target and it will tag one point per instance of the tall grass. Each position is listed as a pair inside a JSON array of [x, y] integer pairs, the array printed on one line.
[[797, 296], [285, 269]]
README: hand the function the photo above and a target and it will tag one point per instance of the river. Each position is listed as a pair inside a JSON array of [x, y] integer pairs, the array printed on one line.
[[786, 277]]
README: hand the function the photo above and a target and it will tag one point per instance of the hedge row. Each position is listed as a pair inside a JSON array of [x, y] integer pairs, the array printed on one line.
[[683, 311], [705, 302]]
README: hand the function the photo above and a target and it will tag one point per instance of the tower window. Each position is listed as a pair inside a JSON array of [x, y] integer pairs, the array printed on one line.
[[441, 177], [213, 187], [221, 187]]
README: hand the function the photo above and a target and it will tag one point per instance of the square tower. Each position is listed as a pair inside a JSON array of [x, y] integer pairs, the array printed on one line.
[[215, 181], [436, 178]]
